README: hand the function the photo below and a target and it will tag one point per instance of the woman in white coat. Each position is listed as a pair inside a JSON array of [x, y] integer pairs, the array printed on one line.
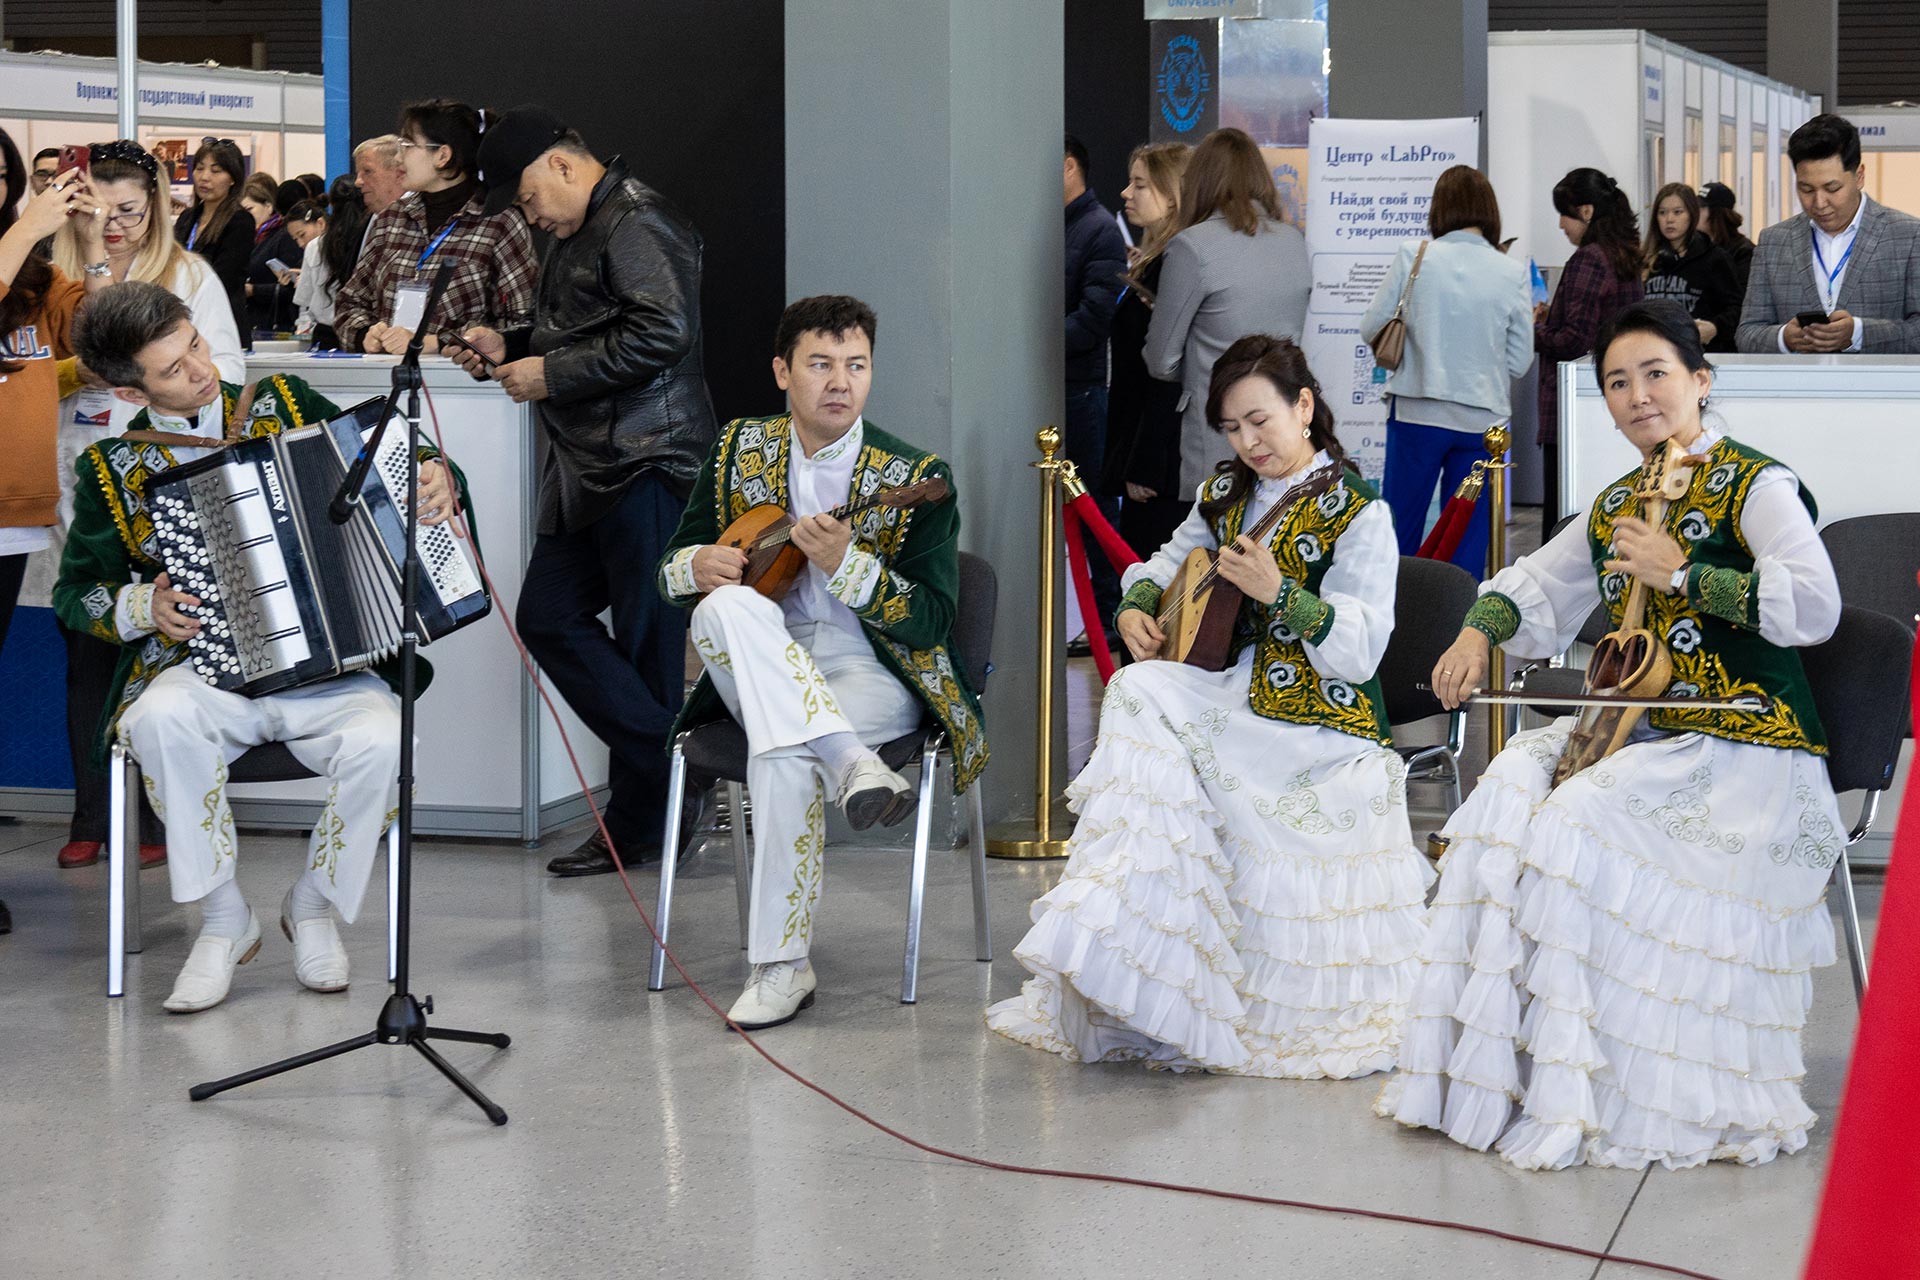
[[138, 246]]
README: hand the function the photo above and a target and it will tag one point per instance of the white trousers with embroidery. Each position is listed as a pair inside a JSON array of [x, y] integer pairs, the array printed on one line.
[[185, 733], [787, 688]]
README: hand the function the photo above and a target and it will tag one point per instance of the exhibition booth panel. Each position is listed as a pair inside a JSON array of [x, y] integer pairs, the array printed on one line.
[[490, 763], [1890, 150], [1827, 417], [1642, 109], [277, 118]]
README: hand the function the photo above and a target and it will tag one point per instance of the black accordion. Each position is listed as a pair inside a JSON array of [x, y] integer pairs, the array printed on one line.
[[287, 597]]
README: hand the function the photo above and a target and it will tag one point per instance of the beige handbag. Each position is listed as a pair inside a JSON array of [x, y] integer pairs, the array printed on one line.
[[1390, 344]]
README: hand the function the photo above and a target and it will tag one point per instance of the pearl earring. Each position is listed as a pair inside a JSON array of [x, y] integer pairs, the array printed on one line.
[[1703, 402], [1306, 433]]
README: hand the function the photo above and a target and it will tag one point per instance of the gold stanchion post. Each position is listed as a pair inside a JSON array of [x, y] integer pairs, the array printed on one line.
[[1044, 839], [1497, 440]]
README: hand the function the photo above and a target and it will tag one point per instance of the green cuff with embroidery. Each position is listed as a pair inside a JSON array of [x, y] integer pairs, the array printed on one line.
[[1306, 614], [1143, 595], [1727, 594], [1494, 616]]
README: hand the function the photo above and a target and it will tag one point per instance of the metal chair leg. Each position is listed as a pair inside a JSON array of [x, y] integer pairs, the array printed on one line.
[[669, 863], [977, 855], [917, 887], [117, 871], [742, 863], [1850, 924], [129, 810], [393, 900]]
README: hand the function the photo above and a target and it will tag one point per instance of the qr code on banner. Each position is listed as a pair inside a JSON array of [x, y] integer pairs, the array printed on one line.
[[1366, 377]]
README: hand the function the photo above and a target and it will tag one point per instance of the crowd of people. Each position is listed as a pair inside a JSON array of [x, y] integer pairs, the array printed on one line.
[[1592, 981]]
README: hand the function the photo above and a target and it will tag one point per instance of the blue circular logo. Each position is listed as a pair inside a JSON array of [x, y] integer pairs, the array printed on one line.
[[1183, 83]]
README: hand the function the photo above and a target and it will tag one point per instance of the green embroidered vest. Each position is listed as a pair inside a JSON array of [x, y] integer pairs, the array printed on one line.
[[1285, 685], [750, 466], [1712, 658]]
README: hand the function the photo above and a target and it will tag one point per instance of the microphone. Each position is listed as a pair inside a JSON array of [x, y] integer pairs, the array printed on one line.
[[347, 497]]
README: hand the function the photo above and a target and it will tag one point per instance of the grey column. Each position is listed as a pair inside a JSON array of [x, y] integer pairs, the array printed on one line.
[[1408, 60], [923, 175], [1803, 46]]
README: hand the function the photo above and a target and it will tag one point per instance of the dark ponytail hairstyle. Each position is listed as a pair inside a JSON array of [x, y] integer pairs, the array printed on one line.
[[346, 222], [443, 122], [1281, 362], [1661, 317], [1613, 226], [28, 292]]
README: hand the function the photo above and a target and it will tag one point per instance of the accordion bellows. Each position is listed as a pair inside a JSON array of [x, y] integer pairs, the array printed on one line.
[[287, 596]]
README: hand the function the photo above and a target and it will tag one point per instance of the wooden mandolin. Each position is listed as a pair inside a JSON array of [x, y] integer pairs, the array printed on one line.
[[1199, 608], [1630, 663], [765, 533]]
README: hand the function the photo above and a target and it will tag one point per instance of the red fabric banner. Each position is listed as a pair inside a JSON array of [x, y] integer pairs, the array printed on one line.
[[1869, 1225]]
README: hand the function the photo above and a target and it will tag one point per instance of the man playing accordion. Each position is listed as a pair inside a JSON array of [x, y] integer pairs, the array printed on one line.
[[185, 732]]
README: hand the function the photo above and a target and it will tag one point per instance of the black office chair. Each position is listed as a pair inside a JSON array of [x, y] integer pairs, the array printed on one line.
[[1875, 559], [1430, 601], [1859, 678], [270, 762], [719, 750]]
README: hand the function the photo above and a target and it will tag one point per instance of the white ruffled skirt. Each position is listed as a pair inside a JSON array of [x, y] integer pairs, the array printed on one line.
[[1241, 894], [1618, 971]]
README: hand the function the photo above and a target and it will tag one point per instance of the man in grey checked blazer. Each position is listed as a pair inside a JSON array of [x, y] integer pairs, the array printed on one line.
[[1856, 260]]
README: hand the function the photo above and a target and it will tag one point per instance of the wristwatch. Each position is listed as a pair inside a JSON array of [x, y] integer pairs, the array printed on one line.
[[98, 270], [1679, 581]]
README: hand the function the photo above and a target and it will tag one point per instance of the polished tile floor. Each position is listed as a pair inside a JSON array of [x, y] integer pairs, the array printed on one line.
[[645, 1140]]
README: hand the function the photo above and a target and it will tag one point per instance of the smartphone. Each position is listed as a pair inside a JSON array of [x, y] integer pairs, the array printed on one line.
[[80, 158], [455, 340], [1807, 319], [278, 265]]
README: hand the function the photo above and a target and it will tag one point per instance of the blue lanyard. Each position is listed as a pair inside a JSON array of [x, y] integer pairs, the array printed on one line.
[[1838, 267], [193, 234], [448, 230]]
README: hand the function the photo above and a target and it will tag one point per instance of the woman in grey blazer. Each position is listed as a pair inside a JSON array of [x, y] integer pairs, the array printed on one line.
[[1469, 334], [1235, 269]]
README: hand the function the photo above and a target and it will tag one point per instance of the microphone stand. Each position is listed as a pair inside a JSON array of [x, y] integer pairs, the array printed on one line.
[[403, 1019]]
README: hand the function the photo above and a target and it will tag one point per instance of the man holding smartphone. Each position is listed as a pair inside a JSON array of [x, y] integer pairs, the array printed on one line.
[[1843, 275], [613, 366]]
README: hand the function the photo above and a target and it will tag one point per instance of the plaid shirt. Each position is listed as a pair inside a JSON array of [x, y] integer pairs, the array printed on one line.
[[492, 285], [1589, 295]]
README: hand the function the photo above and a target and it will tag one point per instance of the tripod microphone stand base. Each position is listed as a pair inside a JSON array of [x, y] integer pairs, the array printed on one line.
[[403, 1020]]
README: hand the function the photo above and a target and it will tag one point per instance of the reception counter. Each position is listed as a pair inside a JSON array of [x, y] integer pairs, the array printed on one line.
[[490, 762]]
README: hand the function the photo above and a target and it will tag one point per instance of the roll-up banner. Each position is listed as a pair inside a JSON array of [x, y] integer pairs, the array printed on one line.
[[1368, 186]]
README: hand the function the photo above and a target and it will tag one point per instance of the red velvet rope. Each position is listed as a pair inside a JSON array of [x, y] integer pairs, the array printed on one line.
[[1082, 576], [1447, 532], [1869, 1226]]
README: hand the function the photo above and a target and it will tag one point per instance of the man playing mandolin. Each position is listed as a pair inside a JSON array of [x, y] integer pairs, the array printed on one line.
[[1628, 914], [822, 659], [1242, 893]]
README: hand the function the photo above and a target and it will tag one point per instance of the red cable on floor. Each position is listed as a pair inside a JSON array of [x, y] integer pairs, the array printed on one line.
[[979, 1162]]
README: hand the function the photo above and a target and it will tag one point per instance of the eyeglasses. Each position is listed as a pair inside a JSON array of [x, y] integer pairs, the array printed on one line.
[[129, 219]]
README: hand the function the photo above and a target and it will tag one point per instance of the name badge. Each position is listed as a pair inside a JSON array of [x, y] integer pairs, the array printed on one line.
[[409, 307]]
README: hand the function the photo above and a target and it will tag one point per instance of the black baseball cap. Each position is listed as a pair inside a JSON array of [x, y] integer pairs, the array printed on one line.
[[509, 145], [1717, 195]]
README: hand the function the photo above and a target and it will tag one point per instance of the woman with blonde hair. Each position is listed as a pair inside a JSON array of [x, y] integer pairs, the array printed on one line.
[[1143, 414], [1232, 269], [126, 180]]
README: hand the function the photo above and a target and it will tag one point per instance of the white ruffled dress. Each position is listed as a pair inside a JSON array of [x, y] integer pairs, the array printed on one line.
[[1618, 971], [1242, 894]]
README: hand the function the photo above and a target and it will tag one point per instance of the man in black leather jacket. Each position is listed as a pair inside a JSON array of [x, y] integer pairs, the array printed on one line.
[[613, 362]]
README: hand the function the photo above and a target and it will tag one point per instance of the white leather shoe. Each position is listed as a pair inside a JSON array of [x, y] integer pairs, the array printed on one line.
[[776, 993], [319, 957], [204, 979], [872, 793]]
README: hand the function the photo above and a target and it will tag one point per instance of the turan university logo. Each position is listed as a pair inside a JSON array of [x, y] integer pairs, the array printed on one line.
[[1183, 83]]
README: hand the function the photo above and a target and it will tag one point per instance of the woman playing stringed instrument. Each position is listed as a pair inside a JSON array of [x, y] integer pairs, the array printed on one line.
[[1621, 942], [1243, 894]]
